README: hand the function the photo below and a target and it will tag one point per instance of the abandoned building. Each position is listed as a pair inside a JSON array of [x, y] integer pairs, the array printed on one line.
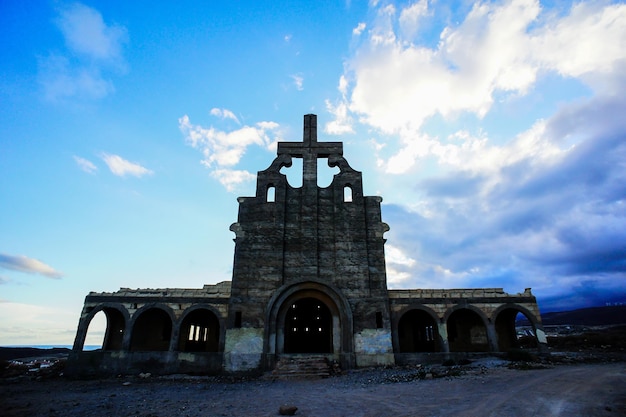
[[308, 279]]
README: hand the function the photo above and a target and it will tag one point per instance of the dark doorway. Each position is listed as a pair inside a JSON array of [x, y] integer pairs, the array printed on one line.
[[308, 327], [199, 332], [417, 332], [467, 332], [152, 331]]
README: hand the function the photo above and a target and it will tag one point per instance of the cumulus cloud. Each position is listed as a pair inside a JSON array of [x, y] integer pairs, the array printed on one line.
[[542, 207], [28, 265], [231, 178], [93, 52], [85, 165], [342, 122], [410, 17], [499, 47], [222, 150], [121, 167]]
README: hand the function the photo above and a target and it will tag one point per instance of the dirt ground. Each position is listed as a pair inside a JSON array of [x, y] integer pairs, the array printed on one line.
[[587, 390]]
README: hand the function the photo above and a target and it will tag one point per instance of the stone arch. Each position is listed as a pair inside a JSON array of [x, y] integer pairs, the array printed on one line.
[[417, 330], [152, 327], [117, 319], [200, 330], [467, 328], [505, 327], [284, 299]]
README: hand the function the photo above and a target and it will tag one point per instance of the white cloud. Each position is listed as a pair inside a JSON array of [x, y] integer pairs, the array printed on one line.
[[298, 81], [224, 114], [589, 40], [231, 178], [396, 278], [28, 265], [222, 150], [94, 49], [410, 17], [538, 203], [85, 165], [395, 255], [358, 29], [342, 122], [121, 167], [499, 47]]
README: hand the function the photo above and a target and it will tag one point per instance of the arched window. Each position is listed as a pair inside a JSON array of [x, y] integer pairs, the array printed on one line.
[[199, 332], [347, 194], [271, 194]]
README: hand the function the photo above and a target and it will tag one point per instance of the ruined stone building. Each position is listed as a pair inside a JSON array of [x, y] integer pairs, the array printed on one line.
[[308, 279]]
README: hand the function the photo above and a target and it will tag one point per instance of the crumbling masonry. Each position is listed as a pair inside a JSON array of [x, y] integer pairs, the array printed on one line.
[[308, 279]]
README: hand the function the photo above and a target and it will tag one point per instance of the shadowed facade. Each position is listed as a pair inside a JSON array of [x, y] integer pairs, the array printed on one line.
[[309, 278]]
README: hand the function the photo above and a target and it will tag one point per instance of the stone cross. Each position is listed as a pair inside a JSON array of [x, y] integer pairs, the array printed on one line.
[[310, 150]]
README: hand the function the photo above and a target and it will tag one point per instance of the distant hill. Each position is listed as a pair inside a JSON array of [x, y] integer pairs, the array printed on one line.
[[8, 353], [593, 316]]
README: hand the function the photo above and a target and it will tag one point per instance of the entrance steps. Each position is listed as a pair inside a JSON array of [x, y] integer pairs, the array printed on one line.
[[301, 367]]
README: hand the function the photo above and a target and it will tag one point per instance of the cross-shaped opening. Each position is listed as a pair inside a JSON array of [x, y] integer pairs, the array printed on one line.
[[313, 155]]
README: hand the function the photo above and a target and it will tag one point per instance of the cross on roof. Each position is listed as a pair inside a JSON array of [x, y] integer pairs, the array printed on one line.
[[310, 150]]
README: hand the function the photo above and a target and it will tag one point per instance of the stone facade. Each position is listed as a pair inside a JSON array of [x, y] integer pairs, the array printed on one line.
[[308, 278]]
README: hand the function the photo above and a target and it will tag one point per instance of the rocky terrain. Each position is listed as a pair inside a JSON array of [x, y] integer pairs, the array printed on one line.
[[565, 386]]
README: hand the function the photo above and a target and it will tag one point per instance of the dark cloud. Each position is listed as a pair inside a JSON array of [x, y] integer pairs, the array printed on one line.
[[557, 224]]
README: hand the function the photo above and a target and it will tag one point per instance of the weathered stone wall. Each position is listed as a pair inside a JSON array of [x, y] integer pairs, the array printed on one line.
[[310, 234]]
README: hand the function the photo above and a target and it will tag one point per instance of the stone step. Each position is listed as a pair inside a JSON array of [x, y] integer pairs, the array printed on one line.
[[301, 367]]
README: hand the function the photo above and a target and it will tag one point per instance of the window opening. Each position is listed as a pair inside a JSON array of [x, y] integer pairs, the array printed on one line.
[[271, 194], [237, 319], [294, 172], [347, 194], [325, 173]]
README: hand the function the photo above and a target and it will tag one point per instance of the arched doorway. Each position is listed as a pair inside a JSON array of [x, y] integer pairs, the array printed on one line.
[[514, 329], [114, 333], [308, 327], [467, 332], [152, 331], [331, 302], [417, 332], [199, 332]]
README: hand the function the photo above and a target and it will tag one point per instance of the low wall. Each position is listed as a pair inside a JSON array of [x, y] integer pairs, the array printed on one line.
[[106, 363]]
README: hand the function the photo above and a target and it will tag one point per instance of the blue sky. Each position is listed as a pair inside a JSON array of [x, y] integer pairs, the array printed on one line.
[[493, 130]]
